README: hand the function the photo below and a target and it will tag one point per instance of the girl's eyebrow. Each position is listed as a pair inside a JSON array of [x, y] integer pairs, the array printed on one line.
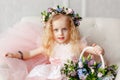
[[55, 28], [64, 28]]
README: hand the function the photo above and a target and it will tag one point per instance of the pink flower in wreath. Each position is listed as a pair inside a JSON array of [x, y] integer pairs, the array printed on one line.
[[69, 11]]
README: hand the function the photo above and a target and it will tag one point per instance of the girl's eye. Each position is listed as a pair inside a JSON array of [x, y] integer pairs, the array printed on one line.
[[64, 29], [55, 29]]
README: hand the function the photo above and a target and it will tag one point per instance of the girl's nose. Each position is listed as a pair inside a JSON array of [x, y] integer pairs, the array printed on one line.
[[60, 32]]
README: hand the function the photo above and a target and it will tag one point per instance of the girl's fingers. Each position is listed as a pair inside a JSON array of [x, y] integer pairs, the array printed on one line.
[[94, 44], [97, 49]]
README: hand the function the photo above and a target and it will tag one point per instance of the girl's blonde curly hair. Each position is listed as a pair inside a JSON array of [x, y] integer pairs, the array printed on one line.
[[48, 38]]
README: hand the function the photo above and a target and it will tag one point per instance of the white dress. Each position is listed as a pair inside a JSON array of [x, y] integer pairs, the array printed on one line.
[[61, 53]]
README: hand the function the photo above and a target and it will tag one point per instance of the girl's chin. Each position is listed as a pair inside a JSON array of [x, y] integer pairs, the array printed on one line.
[[62, 42]]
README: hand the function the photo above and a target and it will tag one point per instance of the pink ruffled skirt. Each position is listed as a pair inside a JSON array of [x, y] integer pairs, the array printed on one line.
[[23, 36]]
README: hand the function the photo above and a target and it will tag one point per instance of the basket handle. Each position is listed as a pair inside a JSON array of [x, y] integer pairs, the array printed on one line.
[[101, 57]]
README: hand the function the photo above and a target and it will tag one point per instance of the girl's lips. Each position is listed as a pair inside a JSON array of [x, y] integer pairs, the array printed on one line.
[[61, 38]]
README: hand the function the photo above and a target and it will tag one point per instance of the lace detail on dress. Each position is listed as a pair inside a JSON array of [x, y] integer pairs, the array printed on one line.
[[62, 51]]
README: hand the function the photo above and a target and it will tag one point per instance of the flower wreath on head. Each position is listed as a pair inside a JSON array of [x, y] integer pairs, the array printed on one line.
[[61, 10]]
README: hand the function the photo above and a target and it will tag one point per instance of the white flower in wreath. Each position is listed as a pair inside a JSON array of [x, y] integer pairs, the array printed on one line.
[[53, 13], [69, 11], [43, 18]]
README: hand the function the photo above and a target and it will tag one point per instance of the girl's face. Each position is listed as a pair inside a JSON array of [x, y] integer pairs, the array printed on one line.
[[61, 30]]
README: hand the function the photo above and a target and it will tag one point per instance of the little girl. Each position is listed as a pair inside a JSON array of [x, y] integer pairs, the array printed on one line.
[[61, 41]]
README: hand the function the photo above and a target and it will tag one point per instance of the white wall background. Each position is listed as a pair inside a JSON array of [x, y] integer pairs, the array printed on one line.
[[103, 8], [11, 11]]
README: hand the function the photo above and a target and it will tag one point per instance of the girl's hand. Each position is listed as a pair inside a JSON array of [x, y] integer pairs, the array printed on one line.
[[9, 55], [12, 55], [97, 49]]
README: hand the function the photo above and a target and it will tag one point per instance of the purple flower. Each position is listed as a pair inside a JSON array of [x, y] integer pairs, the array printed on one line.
[[91, 62], [77, 22], [79, 71], [99, 65], [82, 73], [49, 10], [59, 9]]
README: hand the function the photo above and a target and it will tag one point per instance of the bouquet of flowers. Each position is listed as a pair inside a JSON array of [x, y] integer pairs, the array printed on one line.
[[88, 69]]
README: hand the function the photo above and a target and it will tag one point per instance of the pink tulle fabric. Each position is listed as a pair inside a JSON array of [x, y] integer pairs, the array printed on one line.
[[23, 36]]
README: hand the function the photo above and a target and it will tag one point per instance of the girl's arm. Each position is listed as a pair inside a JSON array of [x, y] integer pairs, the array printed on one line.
[[32, 53], [26, 55], [96, 49]]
